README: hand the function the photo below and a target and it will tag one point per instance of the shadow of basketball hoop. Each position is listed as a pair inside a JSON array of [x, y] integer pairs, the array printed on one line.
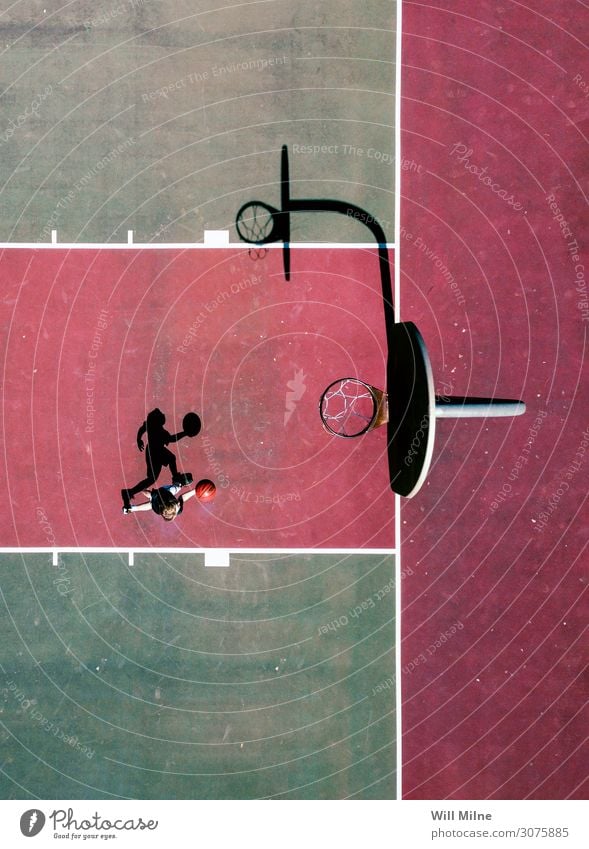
[[349, 407]]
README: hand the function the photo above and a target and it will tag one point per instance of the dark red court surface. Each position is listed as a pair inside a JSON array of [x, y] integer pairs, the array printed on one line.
[[495, 118], [98, 338]]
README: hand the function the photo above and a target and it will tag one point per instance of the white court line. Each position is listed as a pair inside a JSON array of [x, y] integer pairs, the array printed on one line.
[[171, 246], [220, 240], [216, 238], [206, 551], [218, 559], [398, 558]]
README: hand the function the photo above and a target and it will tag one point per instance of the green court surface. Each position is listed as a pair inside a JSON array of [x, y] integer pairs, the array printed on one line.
[[165, 117], [165, 679]]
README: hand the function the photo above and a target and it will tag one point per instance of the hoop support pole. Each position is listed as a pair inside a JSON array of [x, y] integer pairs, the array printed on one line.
[[477, 408]]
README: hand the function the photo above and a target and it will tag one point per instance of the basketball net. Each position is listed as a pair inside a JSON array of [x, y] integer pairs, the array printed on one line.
[[350, 407]]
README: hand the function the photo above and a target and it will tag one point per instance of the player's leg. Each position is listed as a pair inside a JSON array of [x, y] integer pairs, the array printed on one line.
[[181, 478], [154, 467]]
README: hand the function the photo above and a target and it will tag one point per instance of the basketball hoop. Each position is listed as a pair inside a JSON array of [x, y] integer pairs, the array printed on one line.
[[350, 407], [256, 223]]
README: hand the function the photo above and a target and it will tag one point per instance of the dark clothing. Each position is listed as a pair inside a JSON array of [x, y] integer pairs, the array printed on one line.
[[162, 497], [156, 455]]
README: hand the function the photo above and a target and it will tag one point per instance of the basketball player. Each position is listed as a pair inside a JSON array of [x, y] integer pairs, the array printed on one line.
[[156, 455], [163, 501]]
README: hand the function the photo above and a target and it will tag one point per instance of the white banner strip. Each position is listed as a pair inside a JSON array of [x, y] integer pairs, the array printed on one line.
[[292, 825]]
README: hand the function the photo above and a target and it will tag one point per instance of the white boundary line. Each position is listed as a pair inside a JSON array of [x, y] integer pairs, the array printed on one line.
[[171, 246], [134, 246], [215, 243], [397, 305], [56, 550]]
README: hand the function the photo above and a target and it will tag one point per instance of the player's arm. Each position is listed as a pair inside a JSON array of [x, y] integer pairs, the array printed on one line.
[[138, 508], [140, 434], [190, 494], [174, 437]]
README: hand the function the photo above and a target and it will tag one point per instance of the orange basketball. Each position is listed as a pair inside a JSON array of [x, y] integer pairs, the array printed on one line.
[[205, 490]]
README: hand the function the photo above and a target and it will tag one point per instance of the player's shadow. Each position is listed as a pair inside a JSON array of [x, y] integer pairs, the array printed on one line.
[[157, 455]]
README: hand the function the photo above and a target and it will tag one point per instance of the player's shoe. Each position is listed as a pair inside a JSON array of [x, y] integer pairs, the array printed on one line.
[[182, 479]]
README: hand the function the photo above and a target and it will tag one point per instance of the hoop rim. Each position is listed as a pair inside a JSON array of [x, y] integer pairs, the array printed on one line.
[[375, 407], [271, 237]]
